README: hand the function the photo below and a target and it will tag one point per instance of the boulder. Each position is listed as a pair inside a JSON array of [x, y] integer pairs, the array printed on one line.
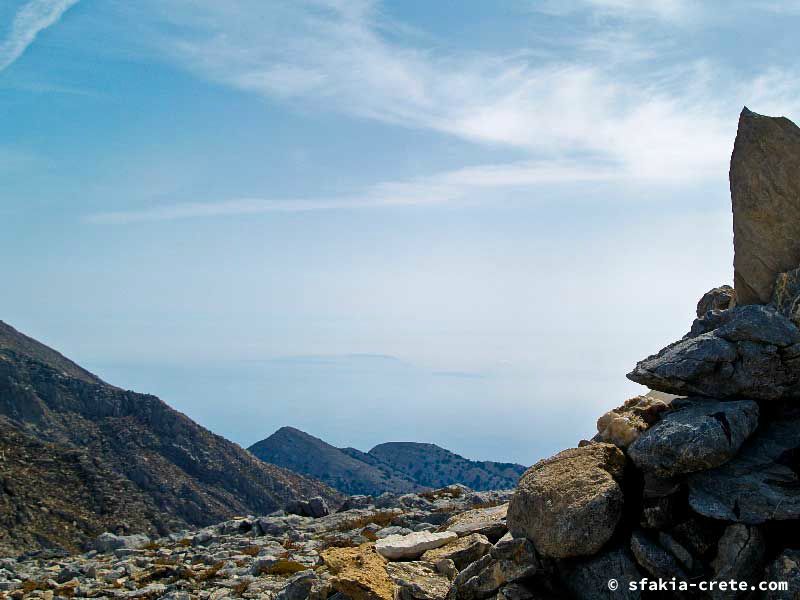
[[745, 352], [740, 555], [462, 552], [510, 560], [412, 545], [569, 505], [765, 194], [318, 507], [298, 586], [719, 298], [359, 573], [587, 578], [760, 484], [624, 424], [418, 581], [108, 542], [490, 522], [655, 559], [696, 435]]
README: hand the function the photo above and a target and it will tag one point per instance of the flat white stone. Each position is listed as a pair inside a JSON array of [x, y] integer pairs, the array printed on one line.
[[412, 545]]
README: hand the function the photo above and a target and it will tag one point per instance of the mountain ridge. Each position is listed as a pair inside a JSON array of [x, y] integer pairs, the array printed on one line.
[[179, 472], [397, 467]]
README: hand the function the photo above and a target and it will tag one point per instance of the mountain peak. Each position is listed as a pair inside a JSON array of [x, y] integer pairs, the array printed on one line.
[[12, 340]]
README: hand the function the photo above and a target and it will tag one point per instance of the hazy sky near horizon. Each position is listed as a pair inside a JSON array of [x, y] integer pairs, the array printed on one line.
[[456, 222]]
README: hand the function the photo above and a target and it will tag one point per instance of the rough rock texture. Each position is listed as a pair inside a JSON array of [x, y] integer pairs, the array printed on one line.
[[570, 504], [412, 545], [489, 521], [760, 484], [624, 424], [587, 579], [744, 352], [765, 194], [695, 435], [718, 298], [462, 552], [511, 560], [418, 581], [740, 554], [655, 559], [359, 573]]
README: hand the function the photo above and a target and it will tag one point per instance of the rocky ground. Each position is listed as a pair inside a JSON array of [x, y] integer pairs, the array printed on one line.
[[412, 545]]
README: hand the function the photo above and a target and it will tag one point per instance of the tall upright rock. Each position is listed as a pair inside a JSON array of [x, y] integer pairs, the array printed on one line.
[[765, 193]]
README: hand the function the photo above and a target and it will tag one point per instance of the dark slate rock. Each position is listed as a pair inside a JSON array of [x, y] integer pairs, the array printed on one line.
[[696, 435], [740, 556], [785, 568], [743, 352], [587, 579], [761, 483], [654, 559]]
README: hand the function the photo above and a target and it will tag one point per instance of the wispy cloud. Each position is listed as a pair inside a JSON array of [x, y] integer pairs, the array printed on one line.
[[339, 57], [448, 186], [31, 18]]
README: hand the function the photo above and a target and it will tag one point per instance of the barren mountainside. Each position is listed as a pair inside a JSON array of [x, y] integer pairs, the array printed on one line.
[[173, 472], [396, 467]]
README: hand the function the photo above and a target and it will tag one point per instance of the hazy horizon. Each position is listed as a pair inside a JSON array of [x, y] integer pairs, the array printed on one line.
[[376, 221]]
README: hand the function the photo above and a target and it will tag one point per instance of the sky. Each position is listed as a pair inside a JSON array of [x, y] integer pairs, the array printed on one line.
[[451, 222]]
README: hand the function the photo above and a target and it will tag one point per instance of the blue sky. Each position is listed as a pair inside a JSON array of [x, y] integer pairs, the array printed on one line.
[[457, 222]]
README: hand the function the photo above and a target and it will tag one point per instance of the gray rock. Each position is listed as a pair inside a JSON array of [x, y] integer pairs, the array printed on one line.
[[510, 560], [655, 559], [569, 505], [515, 591], [587, 579], [490, 522], [108, 542], [392, 530], [765, 193], [761, 483], [418, 581], [412, 545], [718, 298], [743, 352], [696, 435], [740, 556], [317, 507], [298, 586], [462, 552]]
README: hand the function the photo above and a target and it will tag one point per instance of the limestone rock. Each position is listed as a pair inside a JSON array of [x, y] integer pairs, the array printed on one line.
[[462, 552], [761, 483], [696, 435], [765, 193], [744, 352], [510, 560], [359, 573], [412, 545], [587, 579], [418, 581], [624, 424], [570, 504], [718, 298], [490, 522]]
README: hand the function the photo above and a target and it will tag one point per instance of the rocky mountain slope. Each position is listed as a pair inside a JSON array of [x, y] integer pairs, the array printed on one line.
[[128, 461], [303, 453], [432, 466], [395, 467]]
